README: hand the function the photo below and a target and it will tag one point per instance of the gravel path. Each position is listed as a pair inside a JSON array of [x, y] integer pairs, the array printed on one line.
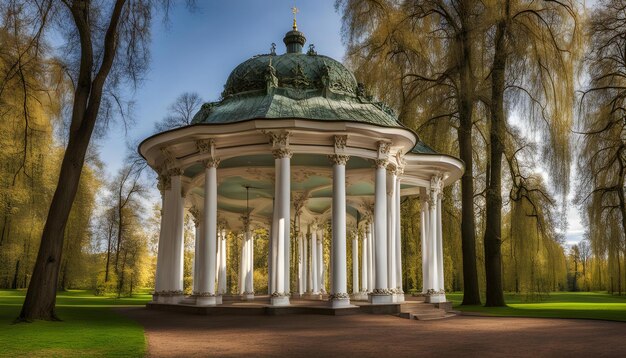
[[175, 334]]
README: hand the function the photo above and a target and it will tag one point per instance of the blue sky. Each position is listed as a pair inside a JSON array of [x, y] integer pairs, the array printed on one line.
[[196, 51]]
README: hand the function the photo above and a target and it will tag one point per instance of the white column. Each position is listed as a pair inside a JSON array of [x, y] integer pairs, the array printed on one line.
[[300, 265], [380, 293], [242, 266], [250, 280], [355, 262], [320, 265], [280, 296], [205, 294], [178, 243], [432, 245], [364, 256], [194, 262], [398, 237], [222, 272], [370, 257], [339, 296], [286, 214], [314, 262], [424, 230], [218, 262], [163, 271], [439, 245], [306, 271], [199, 247], [391, 227]]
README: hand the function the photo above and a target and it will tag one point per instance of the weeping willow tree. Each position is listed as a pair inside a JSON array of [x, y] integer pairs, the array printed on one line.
[[602, 160], [536, 263], [535, 48], [418, 57]]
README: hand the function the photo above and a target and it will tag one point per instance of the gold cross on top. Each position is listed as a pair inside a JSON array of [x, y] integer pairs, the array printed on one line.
[[294, 11]]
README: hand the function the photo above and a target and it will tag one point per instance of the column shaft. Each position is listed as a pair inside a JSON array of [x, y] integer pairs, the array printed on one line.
[[285, 198], [242, 266], [250, 280], [398, 239], [440, 281], [364, 268], [314, 262], [432, 245], [300, 265], [339, 294], [380, 230], [209, 233], [424, 220], [222, 272], [178, 244], [391, 229], [165, 242], [322, 269], [370, 258], [355, 263], [307, 271]]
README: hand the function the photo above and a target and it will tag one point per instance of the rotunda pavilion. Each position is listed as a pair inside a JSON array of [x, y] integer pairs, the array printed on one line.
[[295, 135]]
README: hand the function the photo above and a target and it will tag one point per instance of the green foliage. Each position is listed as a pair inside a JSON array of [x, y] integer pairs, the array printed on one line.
[[590, 305], [90, 327]]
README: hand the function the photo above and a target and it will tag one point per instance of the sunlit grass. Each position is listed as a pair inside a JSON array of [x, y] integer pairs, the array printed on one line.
[[588, 305], [90, 328]]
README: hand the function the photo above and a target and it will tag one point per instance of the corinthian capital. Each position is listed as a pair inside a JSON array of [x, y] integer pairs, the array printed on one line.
[[339, 159], [381, 163], [282, 153], [436, 186], [211, 162], [206, 145], [278, 139]]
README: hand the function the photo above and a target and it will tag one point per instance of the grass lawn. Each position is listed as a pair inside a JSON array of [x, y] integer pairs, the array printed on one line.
[[90, 328], [591, 305]]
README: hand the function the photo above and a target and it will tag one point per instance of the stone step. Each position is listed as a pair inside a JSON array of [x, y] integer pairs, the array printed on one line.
[[428, 316]]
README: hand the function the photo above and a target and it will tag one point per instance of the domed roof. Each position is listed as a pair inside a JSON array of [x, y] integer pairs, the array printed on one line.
[[295, 85], [292, 70]]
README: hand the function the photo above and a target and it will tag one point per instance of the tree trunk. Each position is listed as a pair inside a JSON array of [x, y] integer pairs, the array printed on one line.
[[41, 295], [622, 202], [17, 270], [493, 228], [471, 293]]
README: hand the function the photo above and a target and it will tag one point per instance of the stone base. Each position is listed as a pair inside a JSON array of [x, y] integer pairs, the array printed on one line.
[[380, 299], [398, 297], [169, 299], [312, 296], [247, 297], [206, 300], [279, 301], [340, 303], [218, 299], [359, 296], [435, 298]]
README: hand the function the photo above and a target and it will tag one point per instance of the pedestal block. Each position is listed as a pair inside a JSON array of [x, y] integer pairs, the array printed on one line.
[[279, 301], [380, 298], [206, 300]]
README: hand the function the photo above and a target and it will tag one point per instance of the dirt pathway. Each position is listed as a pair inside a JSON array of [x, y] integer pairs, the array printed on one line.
[[175, 334]]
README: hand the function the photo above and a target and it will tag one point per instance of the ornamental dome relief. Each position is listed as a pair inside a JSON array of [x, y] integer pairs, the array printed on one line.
[[292, 71]]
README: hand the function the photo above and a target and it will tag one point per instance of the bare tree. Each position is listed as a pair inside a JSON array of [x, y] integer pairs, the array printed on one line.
[[181, 112]]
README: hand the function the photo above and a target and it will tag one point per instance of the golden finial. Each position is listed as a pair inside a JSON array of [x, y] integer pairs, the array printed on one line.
[[294, 11]]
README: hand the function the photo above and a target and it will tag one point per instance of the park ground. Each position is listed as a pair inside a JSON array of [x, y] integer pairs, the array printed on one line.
[[108, 326]]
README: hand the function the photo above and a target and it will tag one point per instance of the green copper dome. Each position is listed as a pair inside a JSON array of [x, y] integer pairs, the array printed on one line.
[[295, 85]]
